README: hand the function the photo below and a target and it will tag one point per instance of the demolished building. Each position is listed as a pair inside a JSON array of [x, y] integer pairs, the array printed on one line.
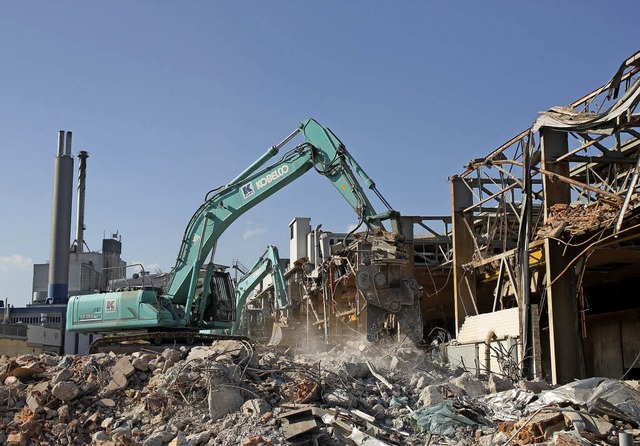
[[548, 223], [531, 272]]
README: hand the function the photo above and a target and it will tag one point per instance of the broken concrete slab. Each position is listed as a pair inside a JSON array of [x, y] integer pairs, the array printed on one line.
[[431, 396], [256, 406], [65, 390], [498, 384], [123, 365], [62, 375], [357, 370], [118, 381], [469, 385], [223, 396]]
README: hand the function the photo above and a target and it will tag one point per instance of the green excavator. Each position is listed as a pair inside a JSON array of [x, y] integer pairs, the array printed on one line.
[[199, 295]]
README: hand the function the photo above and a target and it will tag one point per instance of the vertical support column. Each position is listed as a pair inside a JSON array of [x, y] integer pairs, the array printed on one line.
[[464, 283], [564, 335], [407, 231]]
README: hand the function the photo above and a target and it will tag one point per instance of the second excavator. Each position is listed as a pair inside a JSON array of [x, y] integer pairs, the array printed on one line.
[[267, 265]]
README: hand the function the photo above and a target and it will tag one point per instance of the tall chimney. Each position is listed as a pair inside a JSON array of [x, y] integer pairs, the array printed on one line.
[[58, 292], [82, 182]]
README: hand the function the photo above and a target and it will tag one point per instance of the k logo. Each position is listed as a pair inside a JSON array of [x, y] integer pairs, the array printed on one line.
[[247, 190]]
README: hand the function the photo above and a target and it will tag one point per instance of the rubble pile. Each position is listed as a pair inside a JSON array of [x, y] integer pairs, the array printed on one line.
[[577, 218], [238, 393]]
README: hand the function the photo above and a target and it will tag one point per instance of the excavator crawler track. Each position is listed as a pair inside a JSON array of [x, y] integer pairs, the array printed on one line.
[[157, 341]]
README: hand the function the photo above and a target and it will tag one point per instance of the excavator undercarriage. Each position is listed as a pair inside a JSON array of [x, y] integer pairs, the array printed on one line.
[[156, 341]]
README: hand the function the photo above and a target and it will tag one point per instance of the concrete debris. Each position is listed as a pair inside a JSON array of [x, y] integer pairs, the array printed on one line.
[[357, 370], [499, 384], [468, 384], [239, 393], [65, 390], [339, 397], [431, 395], [257, 406]]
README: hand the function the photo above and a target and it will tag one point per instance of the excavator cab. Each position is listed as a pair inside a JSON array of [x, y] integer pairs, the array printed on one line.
[[222, 299]]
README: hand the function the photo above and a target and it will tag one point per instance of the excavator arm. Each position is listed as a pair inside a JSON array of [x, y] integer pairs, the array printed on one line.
[[321, 151]]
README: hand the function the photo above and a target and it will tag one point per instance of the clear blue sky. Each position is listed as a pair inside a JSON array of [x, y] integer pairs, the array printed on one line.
[[174, 98]]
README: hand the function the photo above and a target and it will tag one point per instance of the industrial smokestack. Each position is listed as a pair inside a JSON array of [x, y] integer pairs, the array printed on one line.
[[58, 292], [82, 181]]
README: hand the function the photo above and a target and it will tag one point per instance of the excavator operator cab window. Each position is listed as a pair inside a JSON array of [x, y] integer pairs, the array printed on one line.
[[223, 298]]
